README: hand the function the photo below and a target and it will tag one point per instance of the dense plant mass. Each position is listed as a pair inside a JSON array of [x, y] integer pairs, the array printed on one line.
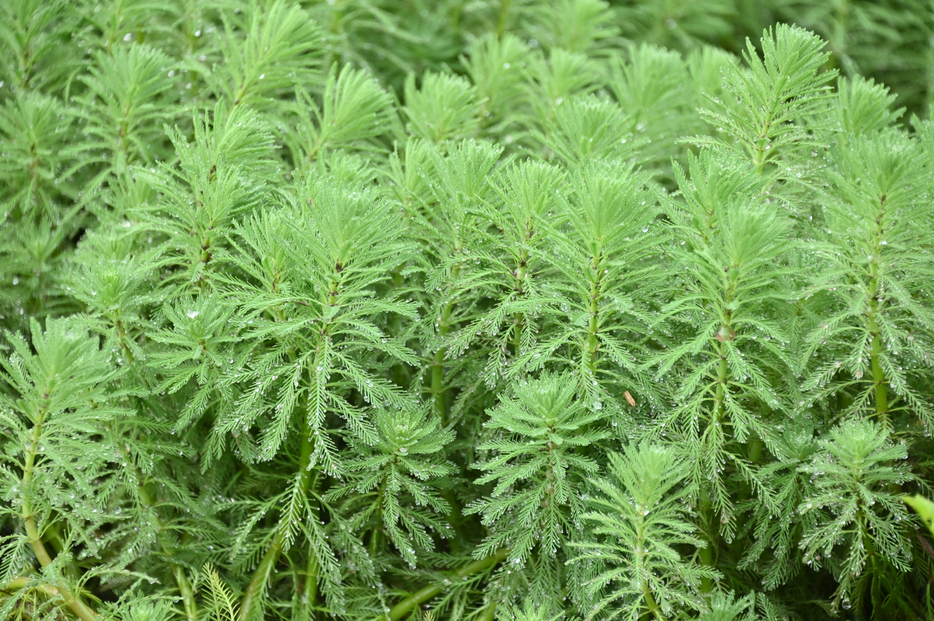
[[390, 310]]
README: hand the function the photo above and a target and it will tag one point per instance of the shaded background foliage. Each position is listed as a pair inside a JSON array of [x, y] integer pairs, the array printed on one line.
[[512, 309]]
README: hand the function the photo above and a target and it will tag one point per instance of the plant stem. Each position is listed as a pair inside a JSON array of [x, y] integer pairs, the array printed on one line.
[[73, 601], [307, 481], [503, 18], [652, 606], [404, 607], [437, 367], [878, 375], [251, 594], [188, 595], [181, 579], [519, 276], [707, 552], [488, 614], [754, 448], [261, 575], [121, 337], [593, 328], [374, 535], [311, 581], [22, 582], [876, 348], [764, 143]]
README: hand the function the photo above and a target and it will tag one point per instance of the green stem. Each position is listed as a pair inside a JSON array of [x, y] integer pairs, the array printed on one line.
[[251, 595], [518, 320], [437, 383], [754, 448], [260, 576], [437, 367], [519, 276], [866, 537], [308, 481], [374, 535], [121, 337], [651, 605], [188, 594], [878, 375], [707, 553], [764, 143], [181, 579], [21, 583], [488, 614], [593, 327], [15, 584], [454, 519], [374, 542], [503, 18], [310, 592], [205, 262], [73, 601], [876, 348], [723, 374], [399, 370], [653, 608], [404, 607]]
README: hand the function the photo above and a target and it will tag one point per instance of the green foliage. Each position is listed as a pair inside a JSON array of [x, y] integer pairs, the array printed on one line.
[[778, 98], [924, 508], [224, 608], [263, 54], [853, 472], [389, 477], [446, 108], [877, 265], [355, 110], [536, 465], [459, 310], [639, 522], [126, 105]]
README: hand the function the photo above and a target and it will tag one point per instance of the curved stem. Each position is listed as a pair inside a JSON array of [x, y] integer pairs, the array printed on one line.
[[181, 579], [253, 591], [73, 601], [22, 582], [653, 608], [260, 576], [404, 607], [488, 614], [188, 594], [308, 479]]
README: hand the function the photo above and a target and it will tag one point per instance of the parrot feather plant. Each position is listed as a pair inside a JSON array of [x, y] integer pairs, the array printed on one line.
[[473, 311]]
